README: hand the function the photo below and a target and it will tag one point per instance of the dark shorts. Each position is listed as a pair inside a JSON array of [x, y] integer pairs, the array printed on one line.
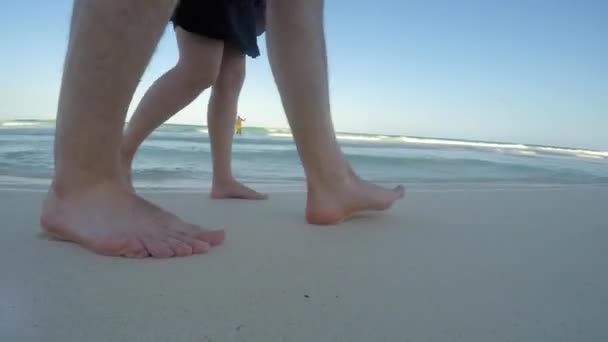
[[236, 22]]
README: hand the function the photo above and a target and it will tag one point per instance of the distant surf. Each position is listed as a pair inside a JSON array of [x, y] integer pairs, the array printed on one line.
[[179, 156]]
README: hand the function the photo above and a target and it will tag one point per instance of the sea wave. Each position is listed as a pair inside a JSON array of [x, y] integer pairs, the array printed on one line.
[[463, 143], [521, 149], [186, 135], [25, 123], [356, 137], [421, 142], [576, 152], [280, 135]]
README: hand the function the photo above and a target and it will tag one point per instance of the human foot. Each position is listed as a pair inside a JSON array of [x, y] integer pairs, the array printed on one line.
[[234, 189], [328, 205], [109, 219]]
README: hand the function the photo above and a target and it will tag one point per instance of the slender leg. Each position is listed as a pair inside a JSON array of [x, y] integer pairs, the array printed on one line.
[[297, 53], [221, 116], [88, 203], [197, 69]]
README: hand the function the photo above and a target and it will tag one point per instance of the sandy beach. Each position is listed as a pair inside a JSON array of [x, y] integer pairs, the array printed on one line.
[[461, 265]]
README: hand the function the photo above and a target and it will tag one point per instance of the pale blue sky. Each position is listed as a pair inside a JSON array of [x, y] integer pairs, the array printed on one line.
[[532, 71]]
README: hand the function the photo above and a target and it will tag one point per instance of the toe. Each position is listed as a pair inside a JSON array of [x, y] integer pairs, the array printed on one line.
[[212, 237], [113, 245], [248, 193], [197, 246], [157, 247], [137, 254], [142, 254], [136, 249], [259, 196], [180, 248]]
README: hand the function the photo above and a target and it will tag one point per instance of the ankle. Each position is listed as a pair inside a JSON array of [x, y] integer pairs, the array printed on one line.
[[224, 180], [63, 186], [329, 178]]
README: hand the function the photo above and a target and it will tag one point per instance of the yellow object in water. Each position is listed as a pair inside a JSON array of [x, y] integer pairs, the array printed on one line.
[[239, 122]]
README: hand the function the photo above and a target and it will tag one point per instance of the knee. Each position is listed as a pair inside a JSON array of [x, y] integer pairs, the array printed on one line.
[[196, 78]]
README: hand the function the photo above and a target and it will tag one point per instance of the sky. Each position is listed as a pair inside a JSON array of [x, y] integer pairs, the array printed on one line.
[[529, 71]]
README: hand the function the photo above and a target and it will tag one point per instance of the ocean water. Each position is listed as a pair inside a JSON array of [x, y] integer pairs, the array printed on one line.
[[179, 157]]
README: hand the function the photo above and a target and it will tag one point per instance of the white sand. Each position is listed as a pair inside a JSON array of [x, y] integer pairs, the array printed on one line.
[[441, 266]]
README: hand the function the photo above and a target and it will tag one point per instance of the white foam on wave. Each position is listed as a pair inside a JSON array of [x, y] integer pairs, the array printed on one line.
[[576, 152], [588, 156], [517, 148], [358, 137], [278, 130], [19, 123], [280, 135], [203, 130], [512, 148], [339, 136], [462, 143]]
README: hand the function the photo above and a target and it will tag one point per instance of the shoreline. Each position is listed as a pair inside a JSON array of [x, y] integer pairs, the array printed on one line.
[[193, 186]]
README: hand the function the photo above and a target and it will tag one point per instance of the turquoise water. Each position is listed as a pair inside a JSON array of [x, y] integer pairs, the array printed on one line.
[[179, 157]]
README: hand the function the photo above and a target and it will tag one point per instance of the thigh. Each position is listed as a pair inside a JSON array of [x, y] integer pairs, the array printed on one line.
[[197, 51]]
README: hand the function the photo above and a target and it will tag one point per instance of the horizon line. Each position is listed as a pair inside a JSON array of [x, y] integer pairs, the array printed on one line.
[[345, 132]]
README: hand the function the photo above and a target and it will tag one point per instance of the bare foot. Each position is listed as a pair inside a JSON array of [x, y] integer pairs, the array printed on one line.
[[109, 219], [337, 202], [234, 189]]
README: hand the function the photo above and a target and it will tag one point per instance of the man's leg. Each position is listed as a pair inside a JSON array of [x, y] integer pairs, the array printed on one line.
[[197, 69], [110, 44], [221, 116], [296, 49]]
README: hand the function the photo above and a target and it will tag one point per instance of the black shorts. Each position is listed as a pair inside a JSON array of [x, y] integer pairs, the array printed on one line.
[[236, 22]]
